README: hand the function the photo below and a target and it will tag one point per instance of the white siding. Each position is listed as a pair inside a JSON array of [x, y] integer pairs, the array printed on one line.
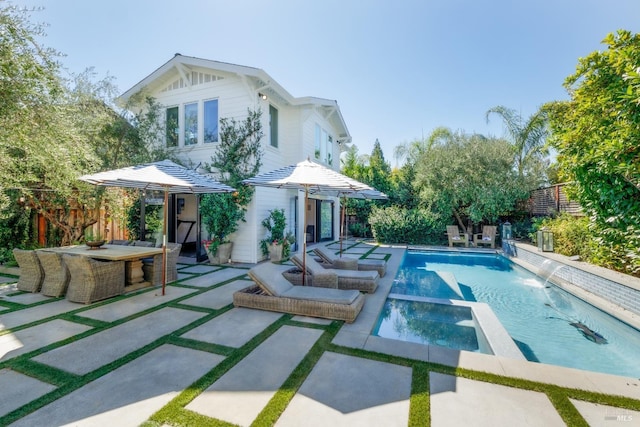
[[296, 141]]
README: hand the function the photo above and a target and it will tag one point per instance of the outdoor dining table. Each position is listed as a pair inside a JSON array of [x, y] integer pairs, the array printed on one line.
[[132, 255]]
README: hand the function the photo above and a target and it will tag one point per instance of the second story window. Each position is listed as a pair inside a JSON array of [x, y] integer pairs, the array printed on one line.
[[273, 124], [172, 127], [211, 121], [191, 124], [323, 146]]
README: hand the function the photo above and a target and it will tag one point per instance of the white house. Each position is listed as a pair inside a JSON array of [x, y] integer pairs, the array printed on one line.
[[195, 93]]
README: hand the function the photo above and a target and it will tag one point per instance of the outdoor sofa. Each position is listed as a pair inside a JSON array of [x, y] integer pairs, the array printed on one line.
[[347, 263], [275, 293], [365, 281]]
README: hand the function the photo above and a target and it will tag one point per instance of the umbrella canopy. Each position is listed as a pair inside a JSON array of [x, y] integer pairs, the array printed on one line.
[[312, 178], [165, 176]]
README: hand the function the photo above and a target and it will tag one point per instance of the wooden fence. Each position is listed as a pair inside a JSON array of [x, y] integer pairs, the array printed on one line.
[[552, 200]]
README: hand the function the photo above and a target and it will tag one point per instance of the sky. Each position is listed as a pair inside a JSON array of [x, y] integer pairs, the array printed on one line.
[[398, 68]]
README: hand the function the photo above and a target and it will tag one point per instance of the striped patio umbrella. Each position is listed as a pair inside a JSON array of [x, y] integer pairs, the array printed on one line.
[[312, 178], [165, 176]]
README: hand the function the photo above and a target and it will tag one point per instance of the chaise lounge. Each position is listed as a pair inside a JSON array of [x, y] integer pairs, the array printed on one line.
[[365, 281], [348, 263], [275, 293]]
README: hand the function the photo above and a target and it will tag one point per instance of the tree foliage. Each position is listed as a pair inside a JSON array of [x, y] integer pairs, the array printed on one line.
[[237, 157], [528, 139], [470, 178], [596, 134], [52, 130]]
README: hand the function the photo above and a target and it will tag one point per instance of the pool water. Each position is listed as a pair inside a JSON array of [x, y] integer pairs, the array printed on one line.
[[548, 324]]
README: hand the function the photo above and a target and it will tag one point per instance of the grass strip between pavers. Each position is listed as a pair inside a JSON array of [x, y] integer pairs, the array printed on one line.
[[420, 402], [174, 412]]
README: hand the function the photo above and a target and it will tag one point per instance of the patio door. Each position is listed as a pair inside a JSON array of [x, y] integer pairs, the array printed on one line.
[[324, 217]]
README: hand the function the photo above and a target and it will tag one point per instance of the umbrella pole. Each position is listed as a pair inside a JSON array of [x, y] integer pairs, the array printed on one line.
[[304, 236], [343, 221], [164, 238]]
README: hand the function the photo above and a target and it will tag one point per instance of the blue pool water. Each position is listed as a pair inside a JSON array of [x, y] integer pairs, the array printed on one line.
[[536, 314]]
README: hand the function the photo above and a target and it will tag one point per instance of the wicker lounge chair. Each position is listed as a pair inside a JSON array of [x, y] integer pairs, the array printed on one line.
[[365, 281], [152, 267], [348, 263], [487, 237], [31, 273], [455, 238], [93, 280], [56, 274], [275, 293]]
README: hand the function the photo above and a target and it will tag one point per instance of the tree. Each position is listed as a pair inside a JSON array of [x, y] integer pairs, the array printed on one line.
[[53, 130], [596, 134], [237, 157], [470, 178], [528, 139]]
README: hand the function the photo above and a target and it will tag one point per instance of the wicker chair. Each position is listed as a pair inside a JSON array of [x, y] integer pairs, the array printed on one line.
[[365, 281], [93, 280], [274, 293], [31, 273], [152, 267], [56, 274], [348, 263]]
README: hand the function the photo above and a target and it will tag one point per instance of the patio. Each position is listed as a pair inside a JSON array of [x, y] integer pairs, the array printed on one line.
[[191, 358]]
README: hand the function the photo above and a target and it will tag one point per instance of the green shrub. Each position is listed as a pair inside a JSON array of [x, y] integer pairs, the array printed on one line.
[[412, 226], [359, 230], [571, 235]]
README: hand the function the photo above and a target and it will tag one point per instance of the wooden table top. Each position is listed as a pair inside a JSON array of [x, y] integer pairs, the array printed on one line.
[[109, 252]]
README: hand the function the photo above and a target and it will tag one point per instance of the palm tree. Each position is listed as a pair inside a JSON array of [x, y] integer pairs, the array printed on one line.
[[528, 138]]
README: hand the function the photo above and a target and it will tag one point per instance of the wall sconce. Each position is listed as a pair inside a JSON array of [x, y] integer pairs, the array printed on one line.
[[262, 96]]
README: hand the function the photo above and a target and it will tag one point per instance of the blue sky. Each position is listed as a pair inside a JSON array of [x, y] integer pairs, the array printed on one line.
[[398, 69]]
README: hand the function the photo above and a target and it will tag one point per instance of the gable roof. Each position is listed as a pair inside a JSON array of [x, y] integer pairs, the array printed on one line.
[[261, 81]]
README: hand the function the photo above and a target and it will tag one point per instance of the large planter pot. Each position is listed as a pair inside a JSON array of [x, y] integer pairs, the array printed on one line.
[[275, 253], [222, 255]]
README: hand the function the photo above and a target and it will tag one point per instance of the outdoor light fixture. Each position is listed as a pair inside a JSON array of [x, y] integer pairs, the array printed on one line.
[[545, 240], [262, 96]]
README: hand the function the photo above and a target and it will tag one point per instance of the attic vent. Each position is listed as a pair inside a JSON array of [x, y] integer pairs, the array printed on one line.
[[196, 79]]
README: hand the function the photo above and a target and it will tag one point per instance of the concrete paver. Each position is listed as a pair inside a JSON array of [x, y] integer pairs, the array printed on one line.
[[218, 297], [135, 304], [17, 389], [39, 312], [29, 339], [233, 328], [457, 401], [130, 394], [606, 416], [27, 298], [240, 394], [199, 269], [349, 391], [92, 352], [215, 277]]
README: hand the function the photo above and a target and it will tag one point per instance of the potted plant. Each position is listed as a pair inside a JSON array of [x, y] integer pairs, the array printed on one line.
[[94, 241], [220, 216], [276, 244]]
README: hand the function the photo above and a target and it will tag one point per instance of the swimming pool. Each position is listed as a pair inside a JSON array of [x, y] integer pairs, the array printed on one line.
[[548, 324]]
